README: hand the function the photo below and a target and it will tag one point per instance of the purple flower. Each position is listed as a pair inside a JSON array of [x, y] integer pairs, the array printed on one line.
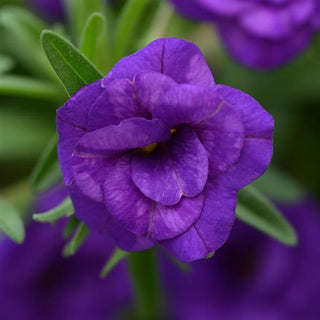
[[254, 277], [51, 10], [155, 152], [36, 282], [260, 34]]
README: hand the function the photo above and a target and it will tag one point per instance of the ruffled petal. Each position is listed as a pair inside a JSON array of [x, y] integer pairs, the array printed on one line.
[[187, 104], [177, 169], [117, 102], [179, 59], [150, 86], [89, 173], [211, 230], [126, 204], [258, 146], [257, 121], [171, 221], [97, 218], [72, 123], [129, 134], [222, 135]]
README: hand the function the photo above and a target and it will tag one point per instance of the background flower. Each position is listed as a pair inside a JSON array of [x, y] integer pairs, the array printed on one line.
[[156, 151], [260, 34], [254, 277], [38, 283]]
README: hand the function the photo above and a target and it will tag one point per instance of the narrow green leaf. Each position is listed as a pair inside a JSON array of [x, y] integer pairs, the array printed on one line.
[[11, 222], [94, 41], [143, 267], [6, 63], [30, 88], [21, 37], [72, 246], [256, 210], [63, 209], [47, 171], [280, 186], [126, 25], [72, 67], [70, 227], [79, 12], [117, 256]]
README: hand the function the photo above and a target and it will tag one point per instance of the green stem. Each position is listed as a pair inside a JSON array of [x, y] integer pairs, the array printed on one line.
[[143, 267]]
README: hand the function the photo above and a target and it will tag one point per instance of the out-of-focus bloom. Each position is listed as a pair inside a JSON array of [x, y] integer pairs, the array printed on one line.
[[52, 10], [254, 277], [36, 282], [155, 152], [260, 34]]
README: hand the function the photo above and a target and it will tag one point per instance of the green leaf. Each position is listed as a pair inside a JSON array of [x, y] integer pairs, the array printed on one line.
[[72, 67], [64, 209], [79, 12], [117, 256], [143, 267], [280, 186], [11, 222], [72, 246], [129, 19], [47, 171], [70, 227], [94, 41], [6, 63], [21, 37], [257, 211], [30, 88]]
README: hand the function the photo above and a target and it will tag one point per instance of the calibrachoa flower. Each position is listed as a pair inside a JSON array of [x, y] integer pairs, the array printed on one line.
[[36, 282], [261, 34], [254, 277], [155, 152]]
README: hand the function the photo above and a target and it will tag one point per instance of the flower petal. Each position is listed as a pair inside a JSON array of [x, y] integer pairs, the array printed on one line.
[[97, 218], [257, 121], [129, 134], [89, 173], [211, 230], [72, 124], [150, 86], [222, 135], [187, 104], [179, 59], [142, 216], [117, 102], [179, 168], [127, 205], [171, 221], [257, 150]]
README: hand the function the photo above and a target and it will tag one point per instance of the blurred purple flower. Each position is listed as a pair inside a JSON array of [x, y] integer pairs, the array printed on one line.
[[52, 10], [254, 277], [155, 152], [259, 34], [36, 282]]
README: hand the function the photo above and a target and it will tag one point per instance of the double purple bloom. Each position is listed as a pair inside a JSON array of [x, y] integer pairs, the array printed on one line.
[[155, 152], [261, 34]]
